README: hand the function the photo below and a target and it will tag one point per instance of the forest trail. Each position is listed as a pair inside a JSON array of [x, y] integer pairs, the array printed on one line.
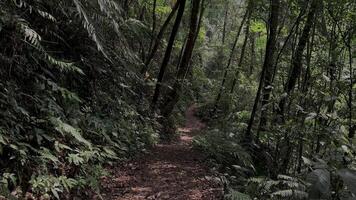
[[170, 171]]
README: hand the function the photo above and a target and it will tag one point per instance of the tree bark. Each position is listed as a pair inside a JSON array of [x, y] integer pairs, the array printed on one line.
[[173, 95], [267, 65], [269, 60], [298, 56], [253, 53], [167, 54], [225, 22], [221, 89], [242, 56], [159, 36], [352, 127], [153, 23]]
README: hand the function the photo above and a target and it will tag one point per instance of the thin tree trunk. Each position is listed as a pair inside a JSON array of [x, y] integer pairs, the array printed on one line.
[[221, 89], [167, 54], [298, 56], [243, 49], [295, 26], [159, 36], [253, 53], [270, 47], [225, 22], [142, 46], [248, 134], [308, 59], [269, 60], [202, 10], [153, 22], [173, 95], [351, 126]]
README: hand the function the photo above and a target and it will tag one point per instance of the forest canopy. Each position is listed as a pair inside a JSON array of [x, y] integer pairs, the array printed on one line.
[[87, 85]]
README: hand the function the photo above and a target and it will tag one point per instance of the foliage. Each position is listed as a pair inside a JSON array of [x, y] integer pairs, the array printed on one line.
[[224, 148], [67, 95], [72, 98]]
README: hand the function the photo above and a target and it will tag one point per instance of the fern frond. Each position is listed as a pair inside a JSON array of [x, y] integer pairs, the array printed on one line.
[[65, 128], [290, 193], [294, 185], [46, 15], [256, 179], [30, 35], [285, 177], [269, 184], [88, 25], [34, 39], [235, 195]]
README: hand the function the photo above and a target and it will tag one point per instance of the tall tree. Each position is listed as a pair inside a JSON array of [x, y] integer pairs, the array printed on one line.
[[173, 96], [267, 68], [298, 55], [157, 41], [225, 22], [167, 54], [269, 62], [243, 49], [232, 53]]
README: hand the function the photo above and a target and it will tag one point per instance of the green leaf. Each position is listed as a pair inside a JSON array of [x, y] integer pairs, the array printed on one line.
[[236, 195], [46, 154], [291, 193], [65, 128]]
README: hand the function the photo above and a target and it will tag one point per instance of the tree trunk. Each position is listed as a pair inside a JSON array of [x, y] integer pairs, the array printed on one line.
[[253, 53], [153, 23], [352, 127], [225, 22], [230, 60], [173, 95], [269, 60], [159, 36], [167, 55], [298, 56], [267, 65], [243, 49], [294, 27]]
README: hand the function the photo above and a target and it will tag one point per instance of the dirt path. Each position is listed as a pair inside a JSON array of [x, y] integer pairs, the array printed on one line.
[[171, 171]]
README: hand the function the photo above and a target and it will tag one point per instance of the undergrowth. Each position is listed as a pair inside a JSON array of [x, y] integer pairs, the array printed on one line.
[[67, 105]]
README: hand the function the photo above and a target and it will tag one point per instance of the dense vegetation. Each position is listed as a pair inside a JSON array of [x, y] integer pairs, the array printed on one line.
[[85, 84]]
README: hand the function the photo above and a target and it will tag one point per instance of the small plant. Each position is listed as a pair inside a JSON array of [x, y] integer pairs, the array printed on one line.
[[47, 185], [285, 187]]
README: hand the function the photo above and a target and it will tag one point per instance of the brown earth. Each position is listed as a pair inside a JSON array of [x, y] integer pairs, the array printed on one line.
[[172, 171]]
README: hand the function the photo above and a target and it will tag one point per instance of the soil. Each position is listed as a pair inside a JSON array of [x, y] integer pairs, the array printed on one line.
[[171, 171]]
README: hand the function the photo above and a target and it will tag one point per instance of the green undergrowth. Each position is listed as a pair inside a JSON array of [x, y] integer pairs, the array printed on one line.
[[257, 172], [67, 101]]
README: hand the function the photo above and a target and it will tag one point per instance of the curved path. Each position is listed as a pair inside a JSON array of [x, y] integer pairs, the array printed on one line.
[[171, 171]]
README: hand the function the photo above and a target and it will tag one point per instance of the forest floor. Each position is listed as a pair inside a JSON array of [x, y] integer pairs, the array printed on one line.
[[173, 171]]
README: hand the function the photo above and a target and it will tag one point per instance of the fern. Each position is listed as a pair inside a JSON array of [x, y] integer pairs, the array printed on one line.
[[65, 128], [34, 39], [47, 155], [75, 159], [290, 193], [235, 195], [46, 15], [88, 25]]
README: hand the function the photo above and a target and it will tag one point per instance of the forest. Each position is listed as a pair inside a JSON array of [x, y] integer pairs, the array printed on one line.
[[178, 99]]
